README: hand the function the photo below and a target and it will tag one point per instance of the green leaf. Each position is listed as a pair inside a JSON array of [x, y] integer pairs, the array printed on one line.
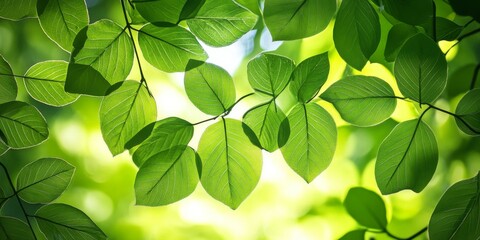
[[60, 221], [466, 8], [12, 228], [413, 12], [45, 82], [252, 5], [166, 177], [61, 20], [269, 73], [133, 14], [362, 100], [397, 36], [231, 164], [102, 56], [407, 158], [456, 214], [8, 86], [3, 147], [445, 29], [44, 180], [311, 145], [210, 88], [166, 134], [358, 234], [169, 11], [296, 19], [356, 32], [17, 9], [221, 22], [6, 190], [468, 113], [22, 125], [124, 112], [421, 69], [265, 120], [169, 48], [367, 208], [309, 76]]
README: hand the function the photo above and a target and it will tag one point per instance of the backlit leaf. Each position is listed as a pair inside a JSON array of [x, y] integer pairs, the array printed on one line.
[[397, 36], [12, 228], [468, 112], [445, 29], [413, 12], [252, 5], [358, 234], [17, 9], [169, 11], [309, 76], [8, 86], [269, 73], [366, 207]]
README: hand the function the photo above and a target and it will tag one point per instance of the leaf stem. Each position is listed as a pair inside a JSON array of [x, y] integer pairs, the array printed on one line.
[[224, 114], [459, 39], [408, 238], [475, 75], [456, 116]]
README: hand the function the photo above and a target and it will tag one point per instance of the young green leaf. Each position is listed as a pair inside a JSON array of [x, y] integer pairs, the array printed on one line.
[[102, 56], [210, 88], [231, 164], [167, 11], [221, 22], [456, 214], [362, 100], [60, 221], [445, 29], [44, 180], [466, 8], [166, 134], [252, 5], [296, 19], [358, 234], [356, 32], [12, 228], [61, 20], [17, 9], [134, 16], [397, 36], [166, 177], [8, 86], [413, 12], [269, 73], [311, 145], [367, 208], [45, 82], [22, 125], [309, 76], [265, 121], [407, 158], [124, 112], [421, 69], [468, 112], [169, 48]]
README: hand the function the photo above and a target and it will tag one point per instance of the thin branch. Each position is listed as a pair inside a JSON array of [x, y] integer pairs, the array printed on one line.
[[434, 25], [463, 37], [456, 116], [468, 23], [226, 112], [408, 238], [474, 78]]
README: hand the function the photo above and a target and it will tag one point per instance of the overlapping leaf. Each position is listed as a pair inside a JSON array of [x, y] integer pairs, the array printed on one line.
[[445, 29], [362, 100], [45, 82], [356, 32], [296, 19], [12, 228], [6, 190], [358, 234], [3, 148], [61, 20], [413, 12], [17, 9], [210, 88], [269, 73], [252, 5], [367, 208], [22, 125], [421, 69], [231, 164], [44, 180], [124, 112], [468, 113], [309, 76], [313, 137], [169, 11], [407, 158], [397, 36], [466, 8], [8, 86]]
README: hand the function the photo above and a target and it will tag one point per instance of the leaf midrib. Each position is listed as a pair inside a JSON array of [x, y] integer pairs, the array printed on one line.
[[44, 179], [25, 125]]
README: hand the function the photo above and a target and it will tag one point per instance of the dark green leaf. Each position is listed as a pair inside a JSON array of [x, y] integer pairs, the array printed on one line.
[[468, 112], [17, 9], [466, 8], [191, 8], [456, 214], [45, 82], [421, 69], [160, 10], [296, 19], [169, 48], [22, 125], [44, 180], [413, 12], [86, 80], [166, 177], [252, 5], [311, 145], [309, 76], [6, 190], [221, 22], [8, 86], [231, 164], [362, 100], [356, 32], [210, 88], [269, 73], [124, 112], [167, 133], [60, 221], [407, 158], [134, 15], [367, 208], [397, 36], [12, 229], [461, 79], [265, 120], [61, 20], [358, 234], [3, 147], [446, 29]]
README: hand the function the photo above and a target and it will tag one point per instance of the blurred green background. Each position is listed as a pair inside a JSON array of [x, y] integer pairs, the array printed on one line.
[[282, 206]]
